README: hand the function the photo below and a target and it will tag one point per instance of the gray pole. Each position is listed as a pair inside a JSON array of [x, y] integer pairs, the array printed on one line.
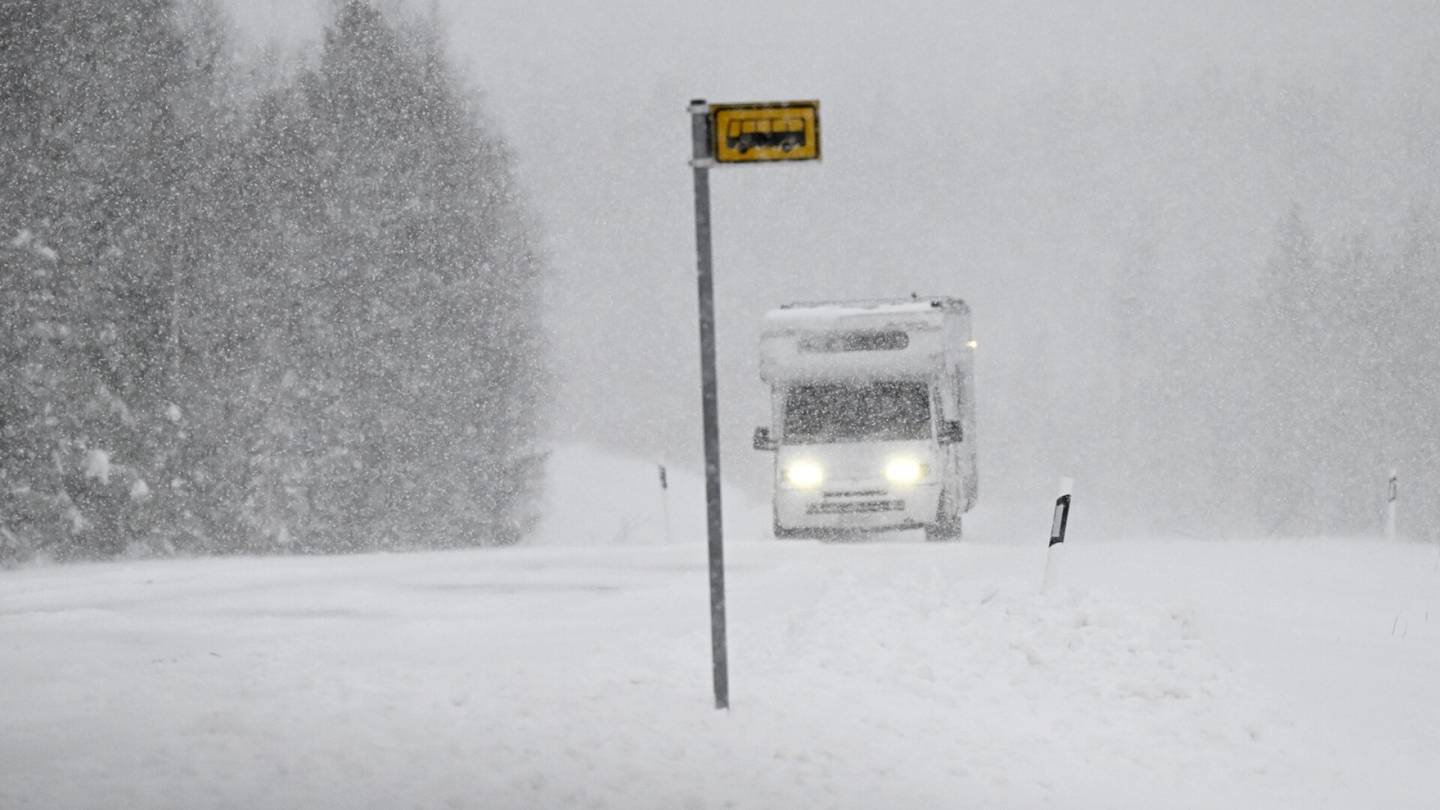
[[700, 136]]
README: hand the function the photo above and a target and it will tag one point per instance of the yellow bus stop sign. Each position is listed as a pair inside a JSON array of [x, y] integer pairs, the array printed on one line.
[[765, 131]]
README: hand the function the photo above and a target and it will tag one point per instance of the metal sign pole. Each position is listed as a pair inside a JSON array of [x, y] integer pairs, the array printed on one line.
[[700, 135]]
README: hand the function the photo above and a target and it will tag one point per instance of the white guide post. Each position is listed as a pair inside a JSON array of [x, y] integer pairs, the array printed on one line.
[[665, 504], [1392, 500], [1058, 523]]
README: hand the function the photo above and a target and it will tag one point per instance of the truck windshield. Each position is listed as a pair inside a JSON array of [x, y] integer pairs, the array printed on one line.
[[863, 412]]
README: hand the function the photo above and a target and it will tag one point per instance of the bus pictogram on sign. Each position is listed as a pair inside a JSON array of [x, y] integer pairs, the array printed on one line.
[[765, 131]]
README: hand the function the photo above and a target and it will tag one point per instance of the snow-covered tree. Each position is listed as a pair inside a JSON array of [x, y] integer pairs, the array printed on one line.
[[309, 324], [97, 148], [387, 352]]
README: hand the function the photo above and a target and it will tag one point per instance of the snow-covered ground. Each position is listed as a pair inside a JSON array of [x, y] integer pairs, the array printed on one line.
[[897, 674]]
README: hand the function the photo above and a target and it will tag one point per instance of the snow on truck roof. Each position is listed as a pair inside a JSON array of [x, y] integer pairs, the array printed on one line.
[[808, 311], [847, 339]]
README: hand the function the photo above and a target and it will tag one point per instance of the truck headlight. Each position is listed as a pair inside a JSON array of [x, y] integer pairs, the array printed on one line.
[[905, 471], [804, 475]]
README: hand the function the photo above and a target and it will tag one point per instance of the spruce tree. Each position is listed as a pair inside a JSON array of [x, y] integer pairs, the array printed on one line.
[[96, 157]]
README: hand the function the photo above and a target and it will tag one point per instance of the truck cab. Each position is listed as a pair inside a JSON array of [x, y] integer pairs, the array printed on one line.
[[872, 416]]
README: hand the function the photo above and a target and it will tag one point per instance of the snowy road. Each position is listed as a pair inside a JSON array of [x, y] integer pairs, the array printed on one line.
[[1192, 674]]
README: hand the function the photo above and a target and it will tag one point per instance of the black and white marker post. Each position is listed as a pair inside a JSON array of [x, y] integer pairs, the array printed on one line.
[[709, 398], [1391, 504], [665, 504], [1058, 523]]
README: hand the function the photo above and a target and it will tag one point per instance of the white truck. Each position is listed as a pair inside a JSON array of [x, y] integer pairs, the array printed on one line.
[[873, 414]]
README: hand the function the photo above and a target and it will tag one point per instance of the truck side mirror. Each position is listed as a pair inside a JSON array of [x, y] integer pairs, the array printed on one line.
[[951, 430], [763, 440]]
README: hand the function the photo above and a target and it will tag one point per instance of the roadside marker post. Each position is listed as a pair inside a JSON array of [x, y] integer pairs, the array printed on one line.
[[720, 134], [1059, 521], [665, 504], [1392, 499]]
